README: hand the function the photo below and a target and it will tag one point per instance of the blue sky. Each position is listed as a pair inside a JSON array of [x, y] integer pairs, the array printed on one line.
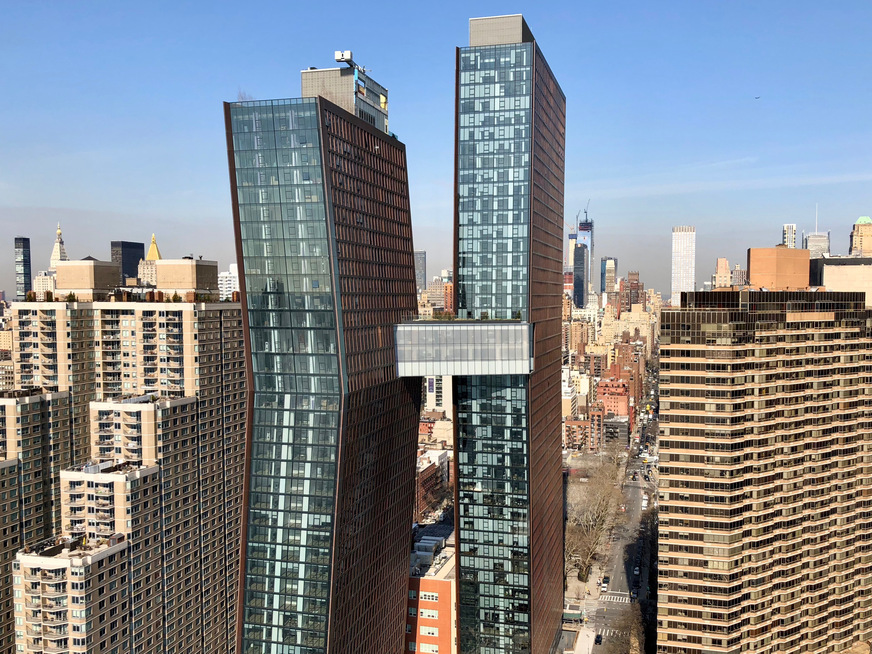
[[112, 120]]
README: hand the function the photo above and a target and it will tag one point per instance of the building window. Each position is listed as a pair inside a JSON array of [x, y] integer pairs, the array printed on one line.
[[430, 631], [429, 597]]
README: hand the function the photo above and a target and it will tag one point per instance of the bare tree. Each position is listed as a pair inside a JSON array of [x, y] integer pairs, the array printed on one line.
[[591, 509], [614, 453], [629, 636]]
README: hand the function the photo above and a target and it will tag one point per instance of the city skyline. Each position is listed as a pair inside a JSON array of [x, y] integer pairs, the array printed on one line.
[[653, 141]]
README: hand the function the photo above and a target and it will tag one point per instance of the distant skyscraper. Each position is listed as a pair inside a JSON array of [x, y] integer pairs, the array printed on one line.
[[421, 270], [323, 228], [764, 529], [510, 516], [817, 243], [723, 275], [608, 272], [585, 236], [146, 271], [738, 277], [228, 282], [788, 235], [58, 252], [580, 276], [861, 237], [683, 262], [23, 276], [569, 265], [128, 254]]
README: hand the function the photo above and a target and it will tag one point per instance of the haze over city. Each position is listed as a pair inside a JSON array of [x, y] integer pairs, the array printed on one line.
[[734, 117]]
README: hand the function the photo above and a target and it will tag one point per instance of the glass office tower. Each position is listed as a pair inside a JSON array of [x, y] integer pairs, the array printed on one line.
[[509, 232], [324, 241], [23, 277], [580, 269], [128, 254]]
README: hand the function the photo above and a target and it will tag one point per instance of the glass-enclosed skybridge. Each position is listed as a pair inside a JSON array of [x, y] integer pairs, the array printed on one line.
[[428, 348]]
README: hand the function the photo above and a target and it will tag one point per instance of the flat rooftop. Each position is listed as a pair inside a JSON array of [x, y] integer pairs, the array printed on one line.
[[443, 565], [69, 547]]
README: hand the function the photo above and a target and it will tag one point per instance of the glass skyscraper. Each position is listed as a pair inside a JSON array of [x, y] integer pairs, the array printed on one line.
[[324, 239], [421, 270], [608, 274], [128, 254], [509, 233], [580, 270], [23, 276]]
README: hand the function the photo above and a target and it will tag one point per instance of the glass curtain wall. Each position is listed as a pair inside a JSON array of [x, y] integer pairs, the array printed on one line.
[[292, 319], [494, 590], [494, 163], [493, 169]]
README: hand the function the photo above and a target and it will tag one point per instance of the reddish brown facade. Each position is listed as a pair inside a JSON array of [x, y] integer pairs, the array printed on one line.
[[546, 293]]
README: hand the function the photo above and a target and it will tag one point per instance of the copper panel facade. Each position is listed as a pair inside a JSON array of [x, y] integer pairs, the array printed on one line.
[[546, 294], [369, 208]]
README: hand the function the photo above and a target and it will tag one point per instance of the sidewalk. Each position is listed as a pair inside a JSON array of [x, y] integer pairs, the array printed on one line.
[[575, 589], [584, 643]]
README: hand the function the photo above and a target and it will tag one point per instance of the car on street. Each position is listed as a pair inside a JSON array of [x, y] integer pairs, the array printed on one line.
[[605, 584], [634, 594], [636, 570], [598, 640]]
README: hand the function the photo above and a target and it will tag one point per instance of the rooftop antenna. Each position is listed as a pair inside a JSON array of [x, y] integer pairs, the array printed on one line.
[[815, 216]]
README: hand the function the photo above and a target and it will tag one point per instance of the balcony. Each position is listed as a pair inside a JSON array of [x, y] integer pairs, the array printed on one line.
[[54, 590]]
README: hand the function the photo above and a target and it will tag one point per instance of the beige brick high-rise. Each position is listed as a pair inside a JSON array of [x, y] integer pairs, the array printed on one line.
[[156, 502], [34, 429], [765, 524], [150, 382]]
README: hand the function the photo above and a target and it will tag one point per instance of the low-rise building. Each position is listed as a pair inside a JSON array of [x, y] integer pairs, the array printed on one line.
[[431, 624]]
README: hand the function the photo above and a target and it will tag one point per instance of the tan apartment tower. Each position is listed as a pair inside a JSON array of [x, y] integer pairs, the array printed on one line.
[[861, 237], [150, 527], [765, 473], [34, 428], [177, 344]]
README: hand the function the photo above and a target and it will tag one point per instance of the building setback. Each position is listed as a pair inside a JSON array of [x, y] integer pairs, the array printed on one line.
[[324, 236], [511, 117], [765, 473]]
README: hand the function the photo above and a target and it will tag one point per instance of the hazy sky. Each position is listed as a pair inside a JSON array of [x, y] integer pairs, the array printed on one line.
[[111, 119]]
